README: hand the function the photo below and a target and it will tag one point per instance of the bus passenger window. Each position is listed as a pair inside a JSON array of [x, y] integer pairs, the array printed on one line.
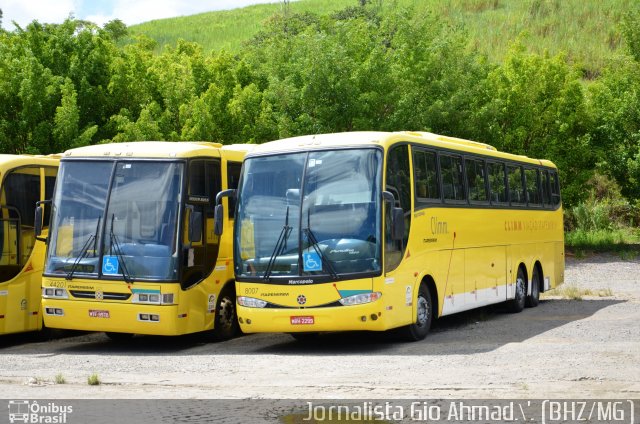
[[233, 177], [452, 179], [532, 181], [476, 180], [555, 189], [497, 183], [516, 190], [546, 188], [425, 168]]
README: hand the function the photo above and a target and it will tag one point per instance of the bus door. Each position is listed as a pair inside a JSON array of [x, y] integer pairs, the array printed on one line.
[[399, 281], [201, 254], [18, 196]]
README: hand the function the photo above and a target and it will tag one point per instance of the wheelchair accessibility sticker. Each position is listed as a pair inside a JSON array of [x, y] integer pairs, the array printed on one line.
[[110, 265], [312, 261]]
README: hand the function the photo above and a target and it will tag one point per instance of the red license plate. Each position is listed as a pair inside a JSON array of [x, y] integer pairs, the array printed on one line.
[[302, 320], [98, 314]]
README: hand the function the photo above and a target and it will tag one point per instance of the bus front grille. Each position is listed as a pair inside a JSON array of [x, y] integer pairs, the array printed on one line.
[[82, 294]]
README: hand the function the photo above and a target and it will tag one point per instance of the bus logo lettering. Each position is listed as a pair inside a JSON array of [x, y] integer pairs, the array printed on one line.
[[438, 227]]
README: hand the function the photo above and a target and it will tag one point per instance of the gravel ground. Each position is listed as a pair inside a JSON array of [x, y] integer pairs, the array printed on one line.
[[564, 348]]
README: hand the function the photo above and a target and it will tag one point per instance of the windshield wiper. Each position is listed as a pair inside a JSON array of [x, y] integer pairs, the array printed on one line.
[[114, 242], [85, 249], [314, 243], [280, 245]]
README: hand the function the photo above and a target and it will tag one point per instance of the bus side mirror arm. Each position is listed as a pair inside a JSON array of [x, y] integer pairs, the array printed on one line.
[[37, 222], [397, 217], [218, 216]]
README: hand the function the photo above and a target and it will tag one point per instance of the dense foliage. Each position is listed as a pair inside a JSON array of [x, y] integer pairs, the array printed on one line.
[[75, 84]]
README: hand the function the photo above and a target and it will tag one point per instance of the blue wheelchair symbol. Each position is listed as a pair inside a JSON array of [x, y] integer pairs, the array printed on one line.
[[110, 265], [312, 261]]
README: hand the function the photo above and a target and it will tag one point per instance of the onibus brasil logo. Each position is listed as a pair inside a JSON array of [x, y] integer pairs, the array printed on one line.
[[24, 411]]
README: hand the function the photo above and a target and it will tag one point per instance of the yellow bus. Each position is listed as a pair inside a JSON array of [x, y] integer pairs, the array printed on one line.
[[25, 181], [131, 248], [376, 231]]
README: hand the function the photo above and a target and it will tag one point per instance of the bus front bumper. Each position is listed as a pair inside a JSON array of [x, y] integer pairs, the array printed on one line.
[[367, 317], [162, 320]]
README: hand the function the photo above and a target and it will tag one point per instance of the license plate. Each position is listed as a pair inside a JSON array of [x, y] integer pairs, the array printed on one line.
[[302, 320], [98, 314]]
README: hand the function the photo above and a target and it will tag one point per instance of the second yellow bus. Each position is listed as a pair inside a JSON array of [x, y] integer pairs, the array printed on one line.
[[375, 231]]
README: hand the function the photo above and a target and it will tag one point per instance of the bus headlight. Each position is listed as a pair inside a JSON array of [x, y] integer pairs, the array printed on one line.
[[153, 298], [251, 302], [54, 293], [359, 299]]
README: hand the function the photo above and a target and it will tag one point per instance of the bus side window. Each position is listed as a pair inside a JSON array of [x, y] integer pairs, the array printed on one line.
[[532, 182], [498, 183], [516, 189], [233, 178], [476, 180], [546, 188], [555, 188], [425, 168], [452, 178], [50, 174]]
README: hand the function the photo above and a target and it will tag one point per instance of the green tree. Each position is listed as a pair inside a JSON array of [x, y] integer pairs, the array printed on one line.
[[535, 106]]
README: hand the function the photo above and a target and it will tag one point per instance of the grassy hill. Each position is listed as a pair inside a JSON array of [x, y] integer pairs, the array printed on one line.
[[587, 31]]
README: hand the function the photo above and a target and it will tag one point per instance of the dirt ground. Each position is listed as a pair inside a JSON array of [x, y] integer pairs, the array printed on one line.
[[587, 348]]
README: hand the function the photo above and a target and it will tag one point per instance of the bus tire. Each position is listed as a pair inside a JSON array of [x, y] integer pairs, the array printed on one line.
[[225, 324], [516, 304], [119, 337], [534, 298], [419, 329]]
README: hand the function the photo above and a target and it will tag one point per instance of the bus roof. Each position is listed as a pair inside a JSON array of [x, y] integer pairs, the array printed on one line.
[[378, 138], [24, 160], [158, 150]]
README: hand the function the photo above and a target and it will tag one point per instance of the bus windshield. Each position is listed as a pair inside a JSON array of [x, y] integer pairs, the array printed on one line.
[[132, 236], [310, 214]]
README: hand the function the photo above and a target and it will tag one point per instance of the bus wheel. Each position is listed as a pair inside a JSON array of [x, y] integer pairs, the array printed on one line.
[[419, 329], [225, 325], [517, 304], [119, 337], [534, 298]]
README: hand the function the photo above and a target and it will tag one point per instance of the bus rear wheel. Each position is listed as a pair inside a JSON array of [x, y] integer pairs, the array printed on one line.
[[225, 324], [534, 298], [419, 329], [517, 304]]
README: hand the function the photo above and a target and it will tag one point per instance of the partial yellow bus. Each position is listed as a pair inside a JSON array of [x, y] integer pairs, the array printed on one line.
[[376, 231], [131, 248], [25, 181]]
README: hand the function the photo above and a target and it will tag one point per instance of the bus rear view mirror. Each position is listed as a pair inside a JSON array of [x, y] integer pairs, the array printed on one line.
[[397, 224], [217, 219], [219, 210], [37, 222], [195, 226]]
